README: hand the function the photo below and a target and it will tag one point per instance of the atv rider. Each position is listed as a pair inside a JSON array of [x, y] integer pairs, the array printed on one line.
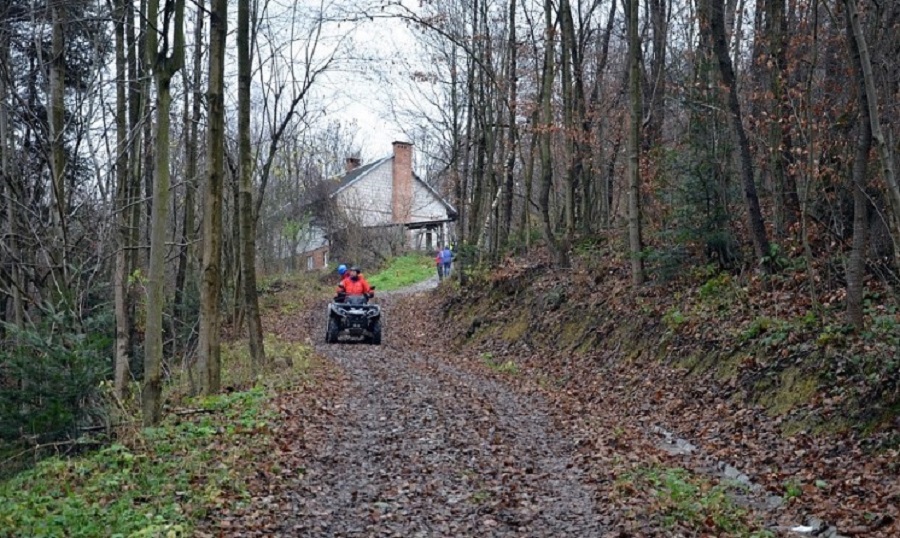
[[344, 273], [354, 284]]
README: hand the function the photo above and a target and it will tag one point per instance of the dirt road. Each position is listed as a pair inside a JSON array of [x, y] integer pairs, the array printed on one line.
[[423, 436], [416, 447]]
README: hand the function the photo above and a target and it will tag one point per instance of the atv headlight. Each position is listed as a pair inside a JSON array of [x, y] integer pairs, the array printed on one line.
[[372, 313], [340, 311]]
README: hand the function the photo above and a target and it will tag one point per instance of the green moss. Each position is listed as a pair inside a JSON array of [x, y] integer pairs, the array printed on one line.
[[794, 387], [516, 329], [729, 365]]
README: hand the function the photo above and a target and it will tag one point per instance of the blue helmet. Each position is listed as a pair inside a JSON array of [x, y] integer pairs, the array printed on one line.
[[342, 269]]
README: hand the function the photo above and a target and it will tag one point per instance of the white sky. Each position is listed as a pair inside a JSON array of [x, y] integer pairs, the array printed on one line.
[[365, 92]]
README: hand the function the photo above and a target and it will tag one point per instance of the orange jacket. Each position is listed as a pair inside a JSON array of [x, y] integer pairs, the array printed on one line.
[[354, 287], [346, 277]]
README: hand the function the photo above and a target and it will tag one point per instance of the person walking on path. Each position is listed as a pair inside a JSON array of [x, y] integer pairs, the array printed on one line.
[[439, 265], [446, 260]]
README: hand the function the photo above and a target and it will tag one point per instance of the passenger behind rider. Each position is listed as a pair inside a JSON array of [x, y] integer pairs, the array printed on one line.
[[353, 283]]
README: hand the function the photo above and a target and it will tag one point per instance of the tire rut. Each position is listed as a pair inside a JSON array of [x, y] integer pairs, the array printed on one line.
[[421, 448]]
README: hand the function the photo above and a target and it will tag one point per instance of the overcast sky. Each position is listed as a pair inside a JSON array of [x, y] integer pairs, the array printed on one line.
[[366, 93]]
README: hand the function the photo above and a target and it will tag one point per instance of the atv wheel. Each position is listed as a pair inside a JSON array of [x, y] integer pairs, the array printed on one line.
[[331, 332], [376, 333]]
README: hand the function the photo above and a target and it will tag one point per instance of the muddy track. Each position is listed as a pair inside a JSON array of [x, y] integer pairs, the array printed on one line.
[[417, 447]]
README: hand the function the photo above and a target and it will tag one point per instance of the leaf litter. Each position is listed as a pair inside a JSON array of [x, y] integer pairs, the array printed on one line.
[[422, 437]]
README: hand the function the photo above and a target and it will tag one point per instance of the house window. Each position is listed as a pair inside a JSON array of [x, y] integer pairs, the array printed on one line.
[[310, 263]]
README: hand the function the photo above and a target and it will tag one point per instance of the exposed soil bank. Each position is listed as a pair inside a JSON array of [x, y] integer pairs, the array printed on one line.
[[715, 366]]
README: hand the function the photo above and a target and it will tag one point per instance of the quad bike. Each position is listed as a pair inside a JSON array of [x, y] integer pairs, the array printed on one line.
[[354, 316]]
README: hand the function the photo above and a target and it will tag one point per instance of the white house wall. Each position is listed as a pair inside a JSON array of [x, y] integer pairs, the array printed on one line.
[[311, 239], [425, 206], [368, 200]]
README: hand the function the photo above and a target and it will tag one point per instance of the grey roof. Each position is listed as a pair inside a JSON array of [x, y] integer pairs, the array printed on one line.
[[356, 174]]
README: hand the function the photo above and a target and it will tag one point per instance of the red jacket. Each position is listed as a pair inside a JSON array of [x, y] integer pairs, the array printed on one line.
[[354, 287]]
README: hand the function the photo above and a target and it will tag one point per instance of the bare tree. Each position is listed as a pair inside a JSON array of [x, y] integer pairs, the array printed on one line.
[[635, 236], [57, 112], [245, 212], [856, 262], [123, 210], [12, 199], [712, 23], [193, 111], [165, 61], [209, 360], [885, 149]]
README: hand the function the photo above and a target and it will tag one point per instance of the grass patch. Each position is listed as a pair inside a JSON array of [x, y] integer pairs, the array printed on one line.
[[159, 481], [287, 294], [507, 367], [171, 477], [403, 271], [289, 362], [687, 501]]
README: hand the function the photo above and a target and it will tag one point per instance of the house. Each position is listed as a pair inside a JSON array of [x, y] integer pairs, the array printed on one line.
[[387, 194]]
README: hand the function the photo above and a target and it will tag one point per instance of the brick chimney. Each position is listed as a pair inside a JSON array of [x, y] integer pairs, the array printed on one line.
[[351, 164], [402, 186]]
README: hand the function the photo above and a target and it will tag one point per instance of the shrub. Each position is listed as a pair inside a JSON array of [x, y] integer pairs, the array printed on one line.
[[49, 375]]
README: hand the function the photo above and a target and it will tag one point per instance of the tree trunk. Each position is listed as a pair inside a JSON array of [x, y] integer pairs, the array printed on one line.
[[164, 68], [460, 147], [657, 105], [209, 360], [247, 237], [568, 57], [546, 133], [138, 96], [525, 223], [711, 13], [885, 151], [192, 118], [57, 123], [123, 203], [12, 197], [856, 262], [512, 132], [812, 171], [605, 190], [635, 236], [787, 201]]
